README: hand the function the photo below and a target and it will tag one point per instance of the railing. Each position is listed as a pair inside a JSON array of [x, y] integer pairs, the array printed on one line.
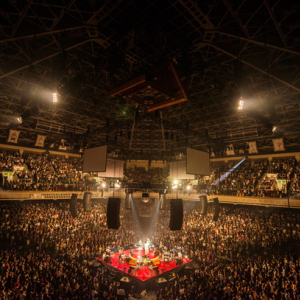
[[291, 202]]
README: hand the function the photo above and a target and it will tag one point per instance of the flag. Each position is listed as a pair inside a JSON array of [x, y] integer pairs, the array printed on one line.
[[40, 140], [278, 145], [13, 136], [252, 147], [230, 150]]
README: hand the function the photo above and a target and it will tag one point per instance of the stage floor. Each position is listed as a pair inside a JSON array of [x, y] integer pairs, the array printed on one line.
[[142, 272]]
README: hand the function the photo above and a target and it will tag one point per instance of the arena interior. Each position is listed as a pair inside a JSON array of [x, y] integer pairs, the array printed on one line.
[[149, 149]]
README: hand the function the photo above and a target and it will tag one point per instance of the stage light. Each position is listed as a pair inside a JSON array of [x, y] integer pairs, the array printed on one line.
[[241, 104], [54, 97]]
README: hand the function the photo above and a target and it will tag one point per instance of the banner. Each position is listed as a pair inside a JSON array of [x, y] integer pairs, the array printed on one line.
[[13, 136], [230, 150], [252, 147], [62, 145], [40, 140], [278, 145]]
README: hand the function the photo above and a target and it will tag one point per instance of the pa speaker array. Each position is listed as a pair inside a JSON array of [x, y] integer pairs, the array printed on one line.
[[216, 209], [87, 205], [73, 205], [203, 202], [176, 214], [128, 200], [113, 213]]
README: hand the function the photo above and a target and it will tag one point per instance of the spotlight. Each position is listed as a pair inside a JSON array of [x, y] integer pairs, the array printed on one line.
[[54, 97], [241, 104]]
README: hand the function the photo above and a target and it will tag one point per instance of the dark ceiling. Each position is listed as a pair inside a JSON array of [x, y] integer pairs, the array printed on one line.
[[223, 49]]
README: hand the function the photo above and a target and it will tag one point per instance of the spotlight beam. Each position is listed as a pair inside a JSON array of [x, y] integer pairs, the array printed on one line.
[[223, 177]]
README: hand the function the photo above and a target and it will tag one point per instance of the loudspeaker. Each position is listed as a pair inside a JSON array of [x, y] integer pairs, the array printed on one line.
[[87, 201], [73, 205], [203, 201], [113, 213], [216, 209], [176, 214], [128, 201]]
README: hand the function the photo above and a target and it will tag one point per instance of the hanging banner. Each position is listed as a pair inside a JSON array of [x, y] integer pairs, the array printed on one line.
[[278, 145], [40, 140], [62, 145], [230, 150], [252, 147], [13, 136]]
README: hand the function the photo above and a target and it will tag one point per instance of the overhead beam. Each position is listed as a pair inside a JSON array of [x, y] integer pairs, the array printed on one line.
[[40, 60], [259, 43], [256, 68], [30, 36]]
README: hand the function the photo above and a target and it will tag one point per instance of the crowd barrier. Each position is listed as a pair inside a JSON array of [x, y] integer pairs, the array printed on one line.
[[291, 202]]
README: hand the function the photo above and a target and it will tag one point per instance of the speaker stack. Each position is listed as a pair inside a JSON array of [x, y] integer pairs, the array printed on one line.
[[203, 202], [113, 213], [216, 209], [176, 214], [87, 205], [73, 205], [128, 197]]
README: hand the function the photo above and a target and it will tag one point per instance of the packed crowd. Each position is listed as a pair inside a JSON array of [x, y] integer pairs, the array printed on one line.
[[141, 174], [249, 253], [46, 172]]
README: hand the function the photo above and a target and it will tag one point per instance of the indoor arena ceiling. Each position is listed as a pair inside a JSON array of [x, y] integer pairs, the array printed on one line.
[[222, 50]]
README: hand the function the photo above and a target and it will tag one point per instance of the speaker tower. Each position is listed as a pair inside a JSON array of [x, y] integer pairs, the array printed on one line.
[[176, 214], [113, 213]]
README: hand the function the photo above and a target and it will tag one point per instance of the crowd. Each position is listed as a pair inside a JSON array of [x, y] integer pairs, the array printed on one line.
[[248, 253], [141, 174], [45, 172]]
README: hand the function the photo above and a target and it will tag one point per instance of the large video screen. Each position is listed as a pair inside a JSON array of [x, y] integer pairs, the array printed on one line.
[[94, 159], [197, 162]]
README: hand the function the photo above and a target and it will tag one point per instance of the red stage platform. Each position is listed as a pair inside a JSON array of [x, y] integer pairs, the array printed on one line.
[[142, 268]]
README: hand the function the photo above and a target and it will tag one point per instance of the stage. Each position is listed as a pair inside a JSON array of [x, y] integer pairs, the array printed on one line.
[[135, 264]]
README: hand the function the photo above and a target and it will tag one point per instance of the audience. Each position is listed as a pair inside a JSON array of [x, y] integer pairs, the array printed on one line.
[[253, 177], [249, 253]]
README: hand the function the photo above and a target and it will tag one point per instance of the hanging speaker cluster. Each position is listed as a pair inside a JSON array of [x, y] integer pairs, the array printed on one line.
[[176, 214], [128, 199], [203, 204], [216, 209], [113, 213], [73, 205], [87, 204]]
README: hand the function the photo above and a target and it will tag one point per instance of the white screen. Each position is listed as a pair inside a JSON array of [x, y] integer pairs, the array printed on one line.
[[197, 162], [94, 159], [178, 170]]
